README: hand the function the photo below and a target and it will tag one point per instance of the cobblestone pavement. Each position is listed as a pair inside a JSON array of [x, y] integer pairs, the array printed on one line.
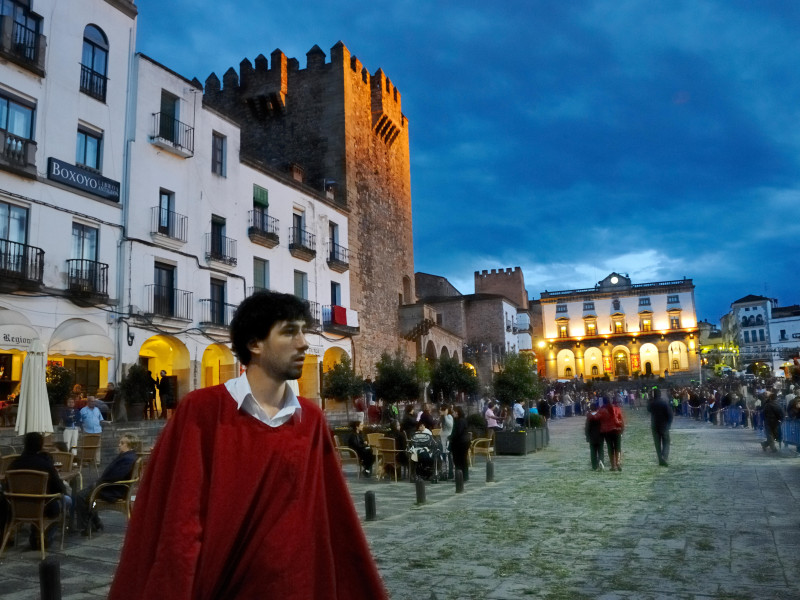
[[721, 522]]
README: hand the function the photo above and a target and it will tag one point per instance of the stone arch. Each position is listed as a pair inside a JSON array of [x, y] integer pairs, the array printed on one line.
[[430, 350], [678, 354], [167, 353], [455, 356], [445, 353], [648, 355], [621, 361], [218, 365], [593, 363], [565, 363]]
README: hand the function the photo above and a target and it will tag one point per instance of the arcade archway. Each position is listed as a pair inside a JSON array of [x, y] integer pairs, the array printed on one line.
[[218, 365]]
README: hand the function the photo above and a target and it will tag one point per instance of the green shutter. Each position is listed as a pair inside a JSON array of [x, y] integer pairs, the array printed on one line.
[[260, 196]]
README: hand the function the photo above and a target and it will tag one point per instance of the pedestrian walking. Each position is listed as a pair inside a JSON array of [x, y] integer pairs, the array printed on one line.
[[612, 424], [594, 437], [773, 415], [660, 422]]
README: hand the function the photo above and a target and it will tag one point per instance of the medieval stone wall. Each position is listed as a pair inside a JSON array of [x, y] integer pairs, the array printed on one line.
[[505, 282], [342, 125]]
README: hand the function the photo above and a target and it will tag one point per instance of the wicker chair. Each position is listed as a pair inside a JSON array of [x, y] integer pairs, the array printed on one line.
[[27, 495], [348, 456], [64, 462], [87, 449], [122, 505], [484, 446], [389, 453]]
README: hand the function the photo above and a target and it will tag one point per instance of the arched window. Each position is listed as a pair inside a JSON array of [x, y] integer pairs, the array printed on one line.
[[595, 370], [568, 372], [759, 320], [94, 63], [744, 321], [676, 365]]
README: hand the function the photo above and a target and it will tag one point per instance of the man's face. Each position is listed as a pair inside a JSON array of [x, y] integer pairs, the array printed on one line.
[[282, 353]]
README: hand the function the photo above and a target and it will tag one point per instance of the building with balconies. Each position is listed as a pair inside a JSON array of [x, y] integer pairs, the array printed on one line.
[[63, 101], [619, 329], [207, 227]]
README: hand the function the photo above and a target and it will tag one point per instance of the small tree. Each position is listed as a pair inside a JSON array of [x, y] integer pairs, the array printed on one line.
[[59, 384], [450, 377], [422, 372], [135, 388], [517, 380], [342, 383], [396, 379]]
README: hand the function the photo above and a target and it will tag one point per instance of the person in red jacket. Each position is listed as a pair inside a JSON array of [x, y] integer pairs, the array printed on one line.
[[244, 496], [612, 424]]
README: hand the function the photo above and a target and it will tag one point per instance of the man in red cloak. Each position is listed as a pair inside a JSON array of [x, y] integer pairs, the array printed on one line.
[[244, 496]]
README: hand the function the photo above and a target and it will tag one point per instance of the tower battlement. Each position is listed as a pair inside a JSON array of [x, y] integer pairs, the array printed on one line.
[[506, 282]]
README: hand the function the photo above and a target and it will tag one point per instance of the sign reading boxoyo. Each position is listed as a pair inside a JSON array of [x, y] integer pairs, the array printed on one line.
[[82, 179]]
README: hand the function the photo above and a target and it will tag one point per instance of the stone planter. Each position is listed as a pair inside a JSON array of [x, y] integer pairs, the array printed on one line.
[[540, 436], [515, 442]]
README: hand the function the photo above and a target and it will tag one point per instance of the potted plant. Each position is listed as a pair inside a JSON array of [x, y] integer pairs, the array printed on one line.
[[59, 384], [134, 389]]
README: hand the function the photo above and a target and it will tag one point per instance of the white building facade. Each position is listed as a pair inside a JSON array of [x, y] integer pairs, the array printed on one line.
[[64, 79], [619, 329]]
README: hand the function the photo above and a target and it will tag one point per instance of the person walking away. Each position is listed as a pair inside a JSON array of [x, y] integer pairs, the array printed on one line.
[[594, 437], [459, 442], [773, 415], [165, 394], [244, 495], [661, 414], [612, 425]]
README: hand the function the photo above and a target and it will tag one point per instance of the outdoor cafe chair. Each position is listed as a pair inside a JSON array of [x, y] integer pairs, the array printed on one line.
[[27, 495], [484, 446], [122, 505], [5, 461], [67, 470], [348, 456], [389, 456], [87, 449]]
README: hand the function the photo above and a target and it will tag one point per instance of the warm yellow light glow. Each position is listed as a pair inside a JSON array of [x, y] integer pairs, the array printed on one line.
[[541, 344]]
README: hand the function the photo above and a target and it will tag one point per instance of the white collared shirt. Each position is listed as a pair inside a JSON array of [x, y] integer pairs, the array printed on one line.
[[240, 389]]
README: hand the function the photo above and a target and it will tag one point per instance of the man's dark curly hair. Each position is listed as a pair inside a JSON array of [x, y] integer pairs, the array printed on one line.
[[257, 314]]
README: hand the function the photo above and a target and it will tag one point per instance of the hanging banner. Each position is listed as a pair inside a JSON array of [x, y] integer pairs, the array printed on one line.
[[636, 362], [607, 364]]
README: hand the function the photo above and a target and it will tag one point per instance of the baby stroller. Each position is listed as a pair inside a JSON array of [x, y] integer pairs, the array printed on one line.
[[424, 457]]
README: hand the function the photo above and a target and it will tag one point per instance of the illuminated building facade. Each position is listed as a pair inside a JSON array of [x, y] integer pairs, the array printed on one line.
[[619, 329]]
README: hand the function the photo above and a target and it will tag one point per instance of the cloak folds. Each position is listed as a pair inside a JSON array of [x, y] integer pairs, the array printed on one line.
[[232, 508]]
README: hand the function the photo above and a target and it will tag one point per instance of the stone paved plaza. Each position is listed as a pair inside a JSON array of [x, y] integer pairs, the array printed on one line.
[[721, 522]]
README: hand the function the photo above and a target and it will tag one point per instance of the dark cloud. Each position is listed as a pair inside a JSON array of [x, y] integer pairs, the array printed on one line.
[[570, 138]]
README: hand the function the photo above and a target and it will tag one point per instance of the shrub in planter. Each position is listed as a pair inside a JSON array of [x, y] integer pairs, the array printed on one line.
[[476, 424], [134, 389]]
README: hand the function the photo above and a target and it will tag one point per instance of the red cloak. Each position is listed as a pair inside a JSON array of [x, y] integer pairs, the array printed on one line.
[[232, 508]]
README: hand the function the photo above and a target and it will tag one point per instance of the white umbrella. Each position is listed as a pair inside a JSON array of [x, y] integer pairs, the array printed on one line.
[[34, 408]]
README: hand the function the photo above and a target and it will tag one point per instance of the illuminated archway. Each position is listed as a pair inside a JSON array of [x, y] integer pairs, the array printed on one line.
[[592, 362], [678, 355], [332, 356], [218, 365], [309, 380], [620, 359], [167, 353], [648, 355], [565, 360]]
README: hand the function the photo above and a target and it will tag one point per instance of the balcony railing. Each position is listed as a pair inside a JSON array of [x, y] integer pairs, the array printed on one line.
[[335, 320], [302, 243], [338, 257], [20, 264], [173, 135], [262, 228], [93, 83], [17, 154], [168, 223], [87, 277], [22, 44], [314, 309], [221, 249], [168, 302], [216, 313]]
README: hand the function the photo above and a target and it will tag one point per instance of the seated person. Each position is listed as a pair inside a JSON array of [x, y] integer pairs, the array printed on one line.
[[33, 459], [357, 442], [399, 441], [119, 470], [423, 428]]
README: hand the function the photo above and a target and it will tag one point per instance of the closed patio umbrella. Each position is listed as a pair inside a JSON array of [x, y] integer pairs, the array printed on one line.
[[34, 408]]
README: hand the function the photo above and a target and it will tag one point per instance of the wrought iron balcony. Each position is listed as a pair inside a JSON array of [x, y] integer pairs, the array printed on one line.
[[87, 278], [221, 249], [302, 243], [254, 289], [168, 302], [21, 266], [168, 223], [93, 83], [215, 313], [172, 135], [22, 45], [338, 258], [17, 154], [314, 309], [262, 228], [334, 320]]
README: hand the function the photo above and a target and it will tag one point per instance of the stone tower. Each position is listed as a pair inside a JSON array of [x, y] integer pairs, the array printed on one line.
[[345, 129], [506, 282]]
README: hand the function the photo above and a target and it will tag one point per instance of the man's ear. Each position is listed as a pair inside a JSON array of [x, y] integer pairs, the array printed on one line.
[[254, 346]]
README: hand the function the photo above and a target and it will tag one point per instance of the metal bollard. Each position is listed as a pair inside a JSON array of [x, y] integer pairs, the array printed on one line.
[[369, 504], [420, 491], [489, 471], [50, 578], [459, 481]]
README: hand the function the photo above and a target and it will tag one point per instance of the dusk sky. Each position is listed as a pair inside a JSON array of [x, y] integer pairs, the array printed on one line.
[[571, 138]]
